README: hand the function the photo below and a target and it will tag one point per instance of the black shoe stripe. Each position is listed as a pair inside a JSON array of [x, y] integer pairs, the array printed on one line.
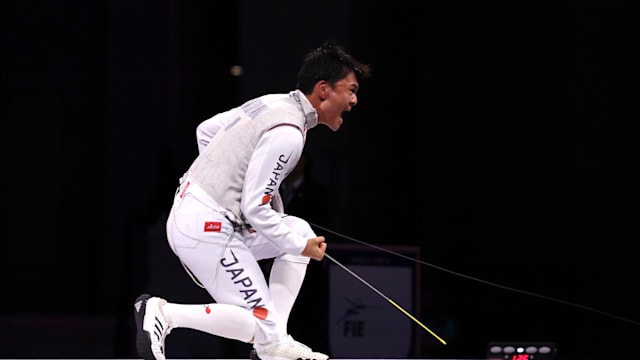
[[159, 328]]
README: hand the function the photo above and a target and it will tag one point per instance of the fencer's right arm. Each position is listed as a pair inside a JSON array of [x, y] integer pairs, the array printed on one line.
[[206, 130]]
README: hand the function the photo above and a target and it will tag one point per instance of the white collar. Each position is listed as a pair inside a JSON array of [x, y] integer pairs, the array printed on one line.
[[310, 113]]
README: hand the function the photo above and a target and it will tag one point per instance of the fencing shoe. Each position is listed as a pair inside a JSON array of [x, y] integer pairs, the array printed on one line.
[[287, 349], [253, 355], [151, 327]]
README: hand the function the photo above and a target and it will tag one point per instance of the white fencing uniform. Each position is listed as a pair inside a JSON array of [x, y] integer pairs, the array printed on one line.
[[227, 214]]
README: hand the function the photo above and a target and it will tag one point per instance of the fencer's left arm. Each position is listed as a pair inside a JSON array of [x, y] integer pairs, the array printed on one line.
[[275, 155]]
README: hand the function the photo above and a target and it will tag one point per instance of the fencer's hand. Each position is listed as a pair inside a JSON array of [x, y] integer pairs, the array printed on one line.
[[315, 248]]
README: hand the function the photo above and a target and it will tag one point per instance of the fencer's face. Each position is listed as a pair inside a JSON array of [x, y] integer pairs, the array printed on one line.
[[336, 100]]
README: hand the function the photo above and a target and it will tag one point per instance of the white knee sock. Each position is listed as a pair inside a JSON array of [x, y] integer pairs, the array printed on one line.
[[285, 282], [228, 321]]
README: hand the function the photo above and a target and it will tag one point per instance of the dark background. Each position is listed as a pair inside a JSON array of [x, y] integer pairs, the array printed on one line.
[[502, 139]]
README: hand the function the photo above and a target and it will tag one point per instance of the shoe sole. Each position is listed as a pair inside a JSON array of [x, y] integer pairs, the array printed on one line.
[[143, 338], [253, 355]]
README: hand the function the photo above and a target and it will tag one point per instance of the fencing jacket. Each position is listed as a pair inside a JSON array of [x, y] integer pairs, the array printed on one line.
[[234, 169]]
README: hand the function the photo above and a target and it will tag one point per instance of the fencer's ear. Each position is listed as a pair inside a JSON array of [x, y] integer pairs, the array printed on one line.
[[323, 89]]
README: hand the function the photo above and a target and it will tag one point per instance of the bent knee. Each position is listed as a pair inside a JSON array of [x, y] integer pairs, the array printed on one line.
[[293, 258], [299, 226]]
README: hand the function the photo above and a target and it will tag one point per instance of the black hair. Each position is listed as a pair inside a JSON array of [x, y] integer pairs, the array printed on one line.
[[329, 62]]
